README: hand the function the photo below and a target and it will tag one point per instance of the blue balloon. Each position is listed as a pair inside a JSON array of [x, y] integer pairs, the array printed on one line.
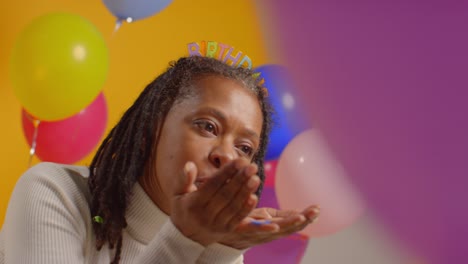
[[135, 9], [289, 119]]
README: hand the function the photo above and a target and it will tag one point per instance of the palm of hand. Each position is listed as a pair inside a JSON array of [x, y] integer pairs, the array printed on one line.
[[264, 225]]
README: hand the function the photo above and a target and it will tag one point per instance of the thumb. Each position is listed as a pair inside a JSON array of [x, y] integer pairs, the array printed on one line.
[[186, 182]]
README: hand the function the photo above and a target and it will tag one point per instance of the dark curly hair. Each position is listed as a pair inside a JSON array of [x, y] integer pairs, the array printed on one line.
[[124, 154]]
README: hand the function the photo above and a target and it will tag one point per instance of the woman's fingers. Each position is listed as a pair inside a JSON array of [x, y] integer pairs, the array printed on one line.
[[227, 197], [226, 193], [261, 213], [235, 212], [218, 180], [287, 221], [213, 210], [235, 200], [296, 222], [280, 213], [312, 213], [255, 232], [255, 226], [225, 204], [185, 183]]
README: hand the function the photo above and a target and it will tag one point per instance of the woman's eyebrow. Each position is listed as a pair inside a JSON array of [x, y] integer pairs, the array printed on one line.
[[220, 115]]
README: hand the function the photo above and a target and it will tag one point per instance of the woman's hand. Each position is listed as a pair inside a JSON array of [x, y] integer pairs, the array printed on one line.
[[267, 224], [210, 212]]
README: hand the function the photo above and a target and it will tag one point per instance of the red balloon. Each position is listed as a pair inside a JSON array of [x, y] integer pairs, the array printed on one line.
[[270, 172], [69, 140]]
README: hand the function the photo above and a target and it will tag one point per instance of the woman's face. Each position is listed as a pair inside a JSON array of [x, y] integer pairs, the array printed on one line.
[[219, 122]]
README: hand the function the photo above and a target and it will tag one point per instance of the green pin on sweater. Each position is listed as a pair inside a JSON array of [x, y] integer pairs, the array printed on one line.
[[98, 219]]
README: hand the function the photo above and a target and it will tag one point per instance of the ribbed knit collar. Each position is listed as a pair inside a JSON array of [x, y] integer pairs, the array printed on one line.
[[144, 218]]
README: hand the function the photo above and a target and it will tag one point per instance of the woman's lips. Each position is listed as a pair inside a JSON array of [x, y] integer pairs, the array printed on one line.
[[200, 182]]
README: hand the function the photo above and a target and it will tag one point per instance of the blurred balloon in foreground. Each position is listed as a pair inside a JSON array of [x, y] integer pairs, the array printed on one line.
[[69, 140], [290, 118], [59, 65], [387, 85], [308, 174], [133, 10], [268, 198], [287, 250]]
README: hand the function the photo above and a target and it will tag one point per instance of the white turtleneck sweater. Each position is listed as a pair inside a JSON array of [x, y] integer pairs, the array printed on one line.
[[48, 221]]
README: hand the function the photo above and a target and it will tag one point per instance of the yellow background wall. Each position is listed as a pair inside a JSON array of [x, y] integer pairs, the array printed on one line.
[[138, 52]]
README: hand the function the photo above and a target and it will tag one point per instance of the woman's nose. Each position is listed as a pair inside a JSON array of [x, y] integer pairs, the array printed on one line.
[[221, 155]]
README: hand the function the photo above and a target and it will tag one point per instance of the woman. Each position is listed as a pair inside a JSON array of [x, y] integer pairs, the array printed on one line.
[[175, 181]]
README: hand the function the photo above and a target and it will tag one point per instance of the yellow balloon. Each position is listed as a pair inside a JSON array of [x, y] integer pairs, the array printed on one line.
[[59, 65]]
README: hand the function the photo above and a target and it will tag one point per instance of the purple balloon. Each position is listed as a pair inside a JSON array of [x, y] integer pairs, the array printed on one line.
[[268, 198], [386, 82], [288, 250]]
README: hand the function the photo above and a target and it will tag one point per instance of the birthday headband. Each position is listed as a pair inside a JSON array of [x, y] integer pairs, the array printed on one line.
[[219, 51], [225, 53]]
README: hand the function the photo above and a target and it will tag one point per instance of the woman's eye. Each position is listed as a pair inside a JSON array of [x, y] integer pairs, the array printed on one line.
[[247, 150], [206, 126]]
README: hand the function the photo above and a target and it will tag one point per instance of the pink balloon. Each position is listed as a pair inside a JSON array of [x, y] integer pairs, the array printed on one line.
[[307, 174], [71, 139]]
